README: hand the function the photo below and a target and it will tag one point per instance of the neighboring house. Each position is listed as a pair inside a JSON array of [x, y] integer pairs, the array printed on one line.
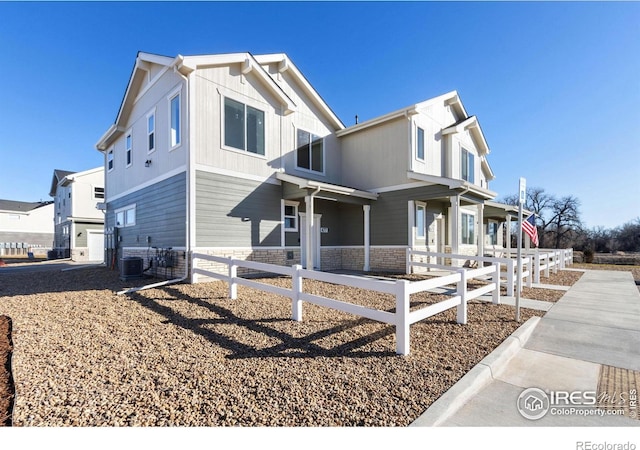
[[78, 223], [25, 227], [238, 155]]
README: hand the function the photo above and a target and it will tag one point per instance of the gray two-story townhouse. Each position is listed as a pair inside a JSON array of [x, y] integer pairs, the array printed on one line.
[[238, 155]]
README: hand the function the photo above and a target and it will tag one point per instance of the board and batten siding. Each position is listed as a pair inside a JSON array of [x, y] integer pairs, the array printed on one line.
[[236, 212], [377, 156], [160, 214], [162, 160]]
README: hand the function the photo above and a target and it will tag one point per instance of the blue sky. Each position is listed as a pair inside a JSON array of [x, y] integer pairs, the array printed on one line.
[[555, 86]]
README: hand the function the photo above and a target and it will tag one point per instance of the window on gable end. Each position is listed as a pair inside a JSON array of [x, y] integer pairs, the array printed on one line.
[[310, 151], [467, 169], [174, 121], [128, 143], [151, 132], [420, 144], [243, 127], [110, 160]]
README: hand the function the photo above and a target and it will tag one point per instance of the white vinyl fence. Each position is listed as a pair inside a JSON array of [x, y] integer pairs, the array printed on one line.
[[544, 259], [510, 276], [401, 318]]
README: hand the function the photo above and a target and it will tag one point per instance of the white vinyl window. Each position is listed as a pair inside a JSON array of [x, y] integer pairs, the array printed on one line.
[[420, 144], [128, 144], [310, 151], [174, 121], [151, 132], [466, 165], [290, 216], [468, 224], [421, 220], [126, 217], [243, 127], [110, 160]]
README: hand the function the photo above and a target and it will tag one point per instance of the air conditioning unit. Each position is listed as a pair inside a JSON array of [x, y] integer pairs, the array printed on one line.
[[131, 268]]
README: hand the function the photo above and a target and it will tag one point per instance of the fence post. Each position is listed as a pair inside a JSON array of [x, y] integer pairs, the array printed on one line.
[[462, 292], [408, 261], [296, 290], [496, 280], [546, 269], [536, 266], [510, 284], [233, 273], [403, 344], [556, 262], [530, 268]]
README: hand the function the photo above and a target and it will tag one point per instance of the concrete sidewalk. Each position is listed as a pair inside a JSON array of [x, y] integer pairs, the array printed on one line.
[[587, 344]]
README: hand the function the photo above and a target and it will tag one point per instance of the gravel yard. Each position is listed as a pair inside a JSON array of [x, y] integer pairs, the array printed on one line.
[[185, 355]]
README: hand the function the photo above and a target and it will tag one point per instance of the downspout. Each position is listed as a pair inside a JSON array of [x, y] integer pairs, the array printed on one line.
[[188, 204]]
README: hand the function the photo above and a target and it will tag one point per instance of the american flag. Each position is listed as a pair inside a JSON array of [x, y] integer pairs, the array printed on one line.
[[529, 227]]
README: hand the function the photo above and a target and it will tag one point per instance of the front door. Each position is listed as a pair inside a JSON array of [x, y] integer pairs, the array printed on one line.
[[315, 240]]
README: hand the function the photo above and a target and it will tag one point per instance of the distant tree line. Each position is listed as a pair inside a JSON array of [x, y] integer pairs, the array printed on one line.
[[560, 226]]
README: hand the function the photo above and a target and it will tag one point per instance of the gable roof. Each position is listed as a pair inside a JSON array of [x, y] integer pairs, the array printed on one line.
[[58, 175], [23, 207], [187, 64], [65, 177]]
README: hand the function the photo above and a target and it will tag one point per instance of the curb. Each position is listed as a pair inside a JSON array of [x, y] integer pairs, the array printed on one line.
[[477, 378]]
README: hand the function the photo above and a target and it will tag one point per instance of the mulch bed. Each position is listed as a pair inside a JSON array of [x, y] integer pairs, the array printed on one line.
[[6, 381]]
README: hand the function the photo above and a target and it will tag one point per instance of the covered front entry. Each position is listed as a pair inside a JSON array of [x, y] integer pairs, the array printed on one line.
[[336, 218]]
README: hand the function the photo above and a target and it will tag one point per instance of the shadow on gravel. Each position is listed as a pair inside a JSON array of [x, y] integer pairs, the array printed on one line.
[[289, 346]]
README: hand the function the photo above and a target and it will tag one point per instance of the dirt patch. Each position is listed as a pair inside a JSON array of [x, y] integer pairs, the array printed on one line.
[[186, 355], [6, 380]]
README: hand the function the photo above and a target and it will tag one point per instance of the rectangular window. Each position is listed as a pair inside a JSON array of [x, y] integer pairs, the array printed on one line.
[[421, 221], [243, 127], [290, 216], [310, 151], [110, 160], [98, 192], [151, 132], [492, 233], [420, 144], [466, 165], [126, 217], [128, 150], [468, 222], [174, 121]]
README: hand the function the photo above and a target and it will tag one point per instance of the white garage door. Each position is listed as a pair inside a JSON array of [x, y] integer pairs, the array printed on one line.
[[96, 245]]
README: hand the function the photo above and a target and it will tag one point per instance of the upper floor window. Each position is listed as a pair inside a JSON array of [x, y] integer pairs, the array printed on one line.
[[466, 165], [420, 144], [310, 151], [243, 127], [128, 150], [174, 121], [151, 132], [468, 223], [98, 192], [110, 160]]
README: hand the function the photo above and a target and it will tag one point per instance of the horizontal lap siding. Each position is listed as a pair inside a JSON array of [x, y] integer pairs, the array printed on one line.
[[160, 214], [233, 211]]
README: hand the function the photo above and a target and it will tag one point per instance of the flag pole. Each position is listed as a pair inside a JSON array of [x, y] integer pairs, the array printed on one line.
[[521, 200]]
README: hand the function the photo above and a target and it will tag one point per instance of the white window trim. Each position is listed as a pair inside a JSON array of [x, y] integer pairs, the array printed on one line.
[[104, 192], [175, 93], [424, 149], [475, 227], [155, 132], [470, 171], [488, 235], [295, 215], [245, 102], [423, 206], [124, 209], [113, 160], [129, 133], [324, 153]]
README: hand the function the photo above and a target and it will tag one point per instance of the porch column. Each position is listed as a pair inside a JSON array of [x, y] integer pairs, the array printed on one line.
[[454, 228], [481, 231], [308, 200], [507, 244], [366, 209]]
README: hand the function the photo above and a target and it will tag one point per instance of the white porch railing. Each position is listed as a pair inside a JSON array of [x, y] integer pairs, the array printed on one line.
[[401, 318], [510, 275]]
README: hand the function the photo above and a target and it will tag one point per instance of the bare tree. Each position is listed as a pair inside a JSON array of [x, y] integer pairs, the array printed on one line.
[[627, 236], [541, 204], [565, 218]]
